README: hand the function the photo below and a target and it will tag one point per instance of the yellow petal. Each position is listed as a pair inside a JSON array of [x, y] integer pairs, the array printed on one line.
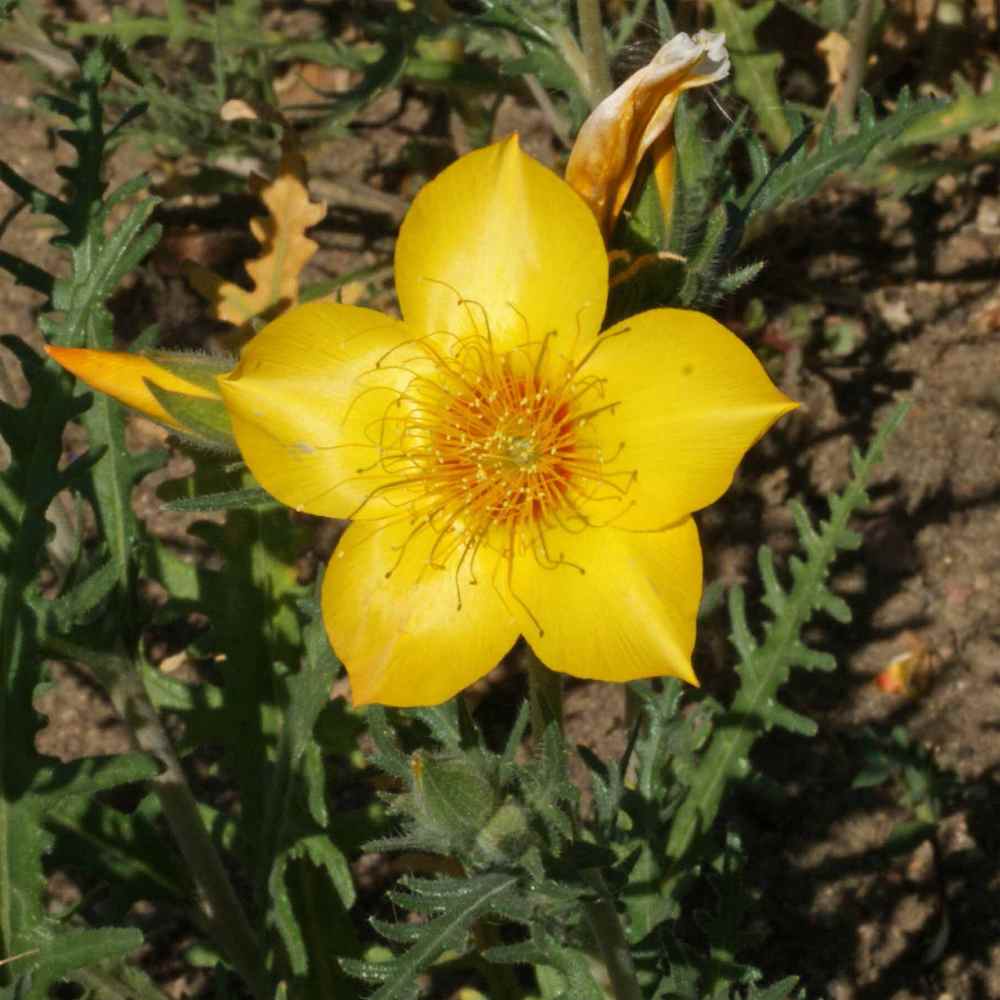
[[307, 400], [614, 138], [690, 399], [499, 244], [625, 610], [409, 633], [124, 376]]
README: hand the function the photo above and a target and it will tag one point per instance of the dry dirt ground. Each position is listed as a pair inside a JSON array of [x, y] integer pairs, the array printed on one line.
[[915, 285]]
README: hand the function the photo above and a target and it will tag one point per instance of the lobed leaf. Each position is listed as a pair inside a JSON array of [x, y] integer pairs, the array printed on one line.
[[764, 667]]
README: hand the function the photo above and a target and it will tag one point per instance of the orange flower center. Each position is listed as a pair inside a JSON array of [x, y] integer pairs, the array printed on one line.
[[491, 451], [508, 445]]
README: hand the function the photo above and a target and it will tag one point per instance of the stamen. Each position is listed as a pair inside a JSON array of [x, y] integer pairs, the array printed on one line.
[[496, 453]]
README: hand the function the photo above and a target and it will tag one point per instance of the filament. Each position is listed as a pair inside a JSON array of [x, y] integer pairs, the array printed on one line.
[[490, 453]]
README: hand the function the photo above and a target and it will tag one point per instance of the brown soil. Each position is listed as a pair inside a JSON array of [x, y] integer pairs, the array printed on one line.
[[917, 283]]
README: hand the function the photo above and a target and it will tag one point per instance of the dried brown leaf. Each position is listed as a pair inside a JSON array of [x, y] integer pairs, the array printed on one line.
[[285, 248]]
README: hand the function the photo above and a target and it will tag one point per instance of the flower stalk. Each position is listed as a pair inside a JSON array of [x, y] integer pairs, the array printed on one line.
[[595, 52], [858, 60], [545, 692]]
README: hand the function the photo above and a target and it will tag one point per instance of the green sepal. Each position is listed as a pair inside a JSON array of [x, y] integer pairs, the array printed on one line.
[[205, 420], [455, 794], [199, 369], [251, 498]]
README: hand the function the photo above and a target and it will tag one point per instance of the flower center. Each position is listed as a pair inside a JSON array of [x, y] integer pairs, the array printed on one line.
[[521, 451], [492, 452], [503, 448]]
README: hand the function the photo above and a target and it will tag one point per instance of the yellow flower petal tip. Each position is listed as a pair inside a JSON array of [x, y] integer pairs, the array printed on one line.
[[508, 469], [125, 376], [625, 125], [478, 248]]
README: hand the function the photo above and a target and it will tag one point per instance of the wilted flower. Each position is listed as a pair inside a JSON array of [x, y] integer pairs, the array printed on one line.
[[637, 118], [508, 468]]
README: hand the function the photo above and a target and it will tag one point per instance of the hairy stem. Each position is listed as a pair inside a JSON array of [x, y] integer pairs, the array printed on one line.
[[609, 935], [595, 52], [545, 692], [857, 60]]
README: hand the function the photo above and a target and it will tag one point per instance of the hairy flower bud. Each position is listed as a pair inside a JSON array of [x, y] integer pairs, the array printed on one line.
[[454, 795]]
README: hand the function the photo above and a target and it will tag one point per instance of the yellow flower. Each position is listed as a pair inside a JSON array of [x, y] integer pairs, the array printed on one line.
[[637, 118], [508, 469]]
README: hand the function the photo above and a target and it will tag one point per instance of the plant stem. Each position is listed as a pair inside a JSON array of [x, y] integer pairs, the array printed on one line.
[[595, 52], [609, 935], [216, 899], [545, 692], [857, 61], [541, 97]]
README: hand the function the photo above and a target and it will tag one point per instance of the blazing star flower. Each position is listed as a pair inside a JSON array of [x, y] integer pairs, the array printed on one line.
[[508, 468]]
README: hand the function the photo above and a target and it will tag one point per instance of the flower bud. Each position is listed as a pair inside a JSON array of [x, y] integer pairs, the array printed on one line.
[[176, 389], [506, 836], [454, 795]]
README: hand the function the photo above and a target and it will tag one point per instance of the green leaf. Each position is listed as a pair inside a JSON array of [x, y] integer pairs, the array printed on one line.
[[294, 831], [113, 981], [85, 778], [32, 793], [27, 487], [125, 850], [778, 991], [377, 77], [79, 603], [763, 669], [755, 72], [458, 904], [71, 950], [800, 171]]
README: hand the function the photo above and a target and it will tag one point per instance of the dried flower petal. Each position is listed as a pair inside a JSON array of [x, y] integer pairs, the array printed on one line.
[[624, 126]]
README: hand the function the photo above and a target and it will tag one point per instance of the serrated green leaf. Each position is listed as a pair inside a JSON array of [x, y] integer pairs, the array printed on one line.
[[459, 909], [85, 778], [755, 706], [801, 174], [117, 981], [65, 952], [778, 991], [293, 827], [76, 605], [27, 487], [125, 849], [755, 72]]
